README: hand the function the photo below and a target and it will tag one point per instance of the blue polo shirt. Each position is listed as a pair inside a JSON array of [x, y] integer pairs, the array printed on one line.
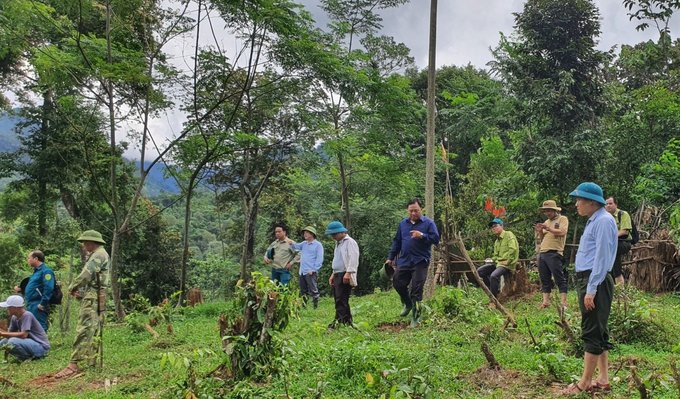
[[597, 248], [413, 251]]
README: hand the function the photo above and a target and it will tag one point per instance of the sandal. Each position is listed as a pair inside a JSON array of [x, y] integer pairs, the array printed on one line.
[[598, 385], [543, 306], [572, 389], [68, 371]]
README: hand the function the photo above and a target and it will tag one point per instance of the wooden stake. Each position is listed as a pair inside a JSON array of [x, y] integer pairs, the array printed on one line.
[[493, 299]]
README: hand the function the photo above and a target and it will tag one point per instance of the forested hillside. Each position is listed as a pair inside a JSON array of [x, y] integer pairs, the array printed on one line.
[[299, 124]]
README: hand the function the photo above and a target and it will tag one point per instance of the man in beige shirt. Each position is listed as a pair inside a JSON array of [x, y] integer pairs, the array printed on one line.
[[553, 234]]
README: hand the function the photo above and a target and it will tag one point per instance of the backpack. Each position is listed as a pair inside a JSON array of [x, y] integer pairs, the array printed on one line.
[[634, 234], [57, 295]]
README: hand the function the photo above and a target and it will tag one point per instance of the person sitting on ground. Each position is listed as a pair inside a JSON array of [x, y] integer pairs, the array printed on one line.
[[504, 260], [26, 337]]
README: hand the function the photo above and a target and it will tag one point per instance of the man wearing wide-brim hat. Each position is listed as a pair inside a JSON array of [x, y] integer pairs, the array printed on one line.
[[311, 258], [89, 288], [553, 236], [595, 285]]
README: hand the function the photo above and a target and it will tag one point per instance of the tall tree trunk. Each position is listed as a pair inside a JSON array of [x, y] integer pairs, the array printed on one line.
[[42, 182], [345, 192], [115, 240], [431, 114], [250, 210], [187, 229]]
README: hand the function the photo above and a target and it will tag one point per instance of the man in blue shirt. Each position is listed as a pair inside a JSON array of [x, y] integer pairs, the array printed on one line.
[[413, 246], [594, 261], [311, 259], [39, 289]]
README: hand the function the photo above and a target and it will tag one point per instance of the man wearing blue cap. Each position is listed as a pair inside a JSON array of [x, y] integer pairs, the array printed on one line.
[[594, 261], [413, 243], [344, 277], [504, 259]]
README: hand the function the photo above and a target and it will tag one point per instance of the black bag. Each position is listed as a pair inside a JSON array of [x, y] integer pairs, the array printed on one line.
[[57, 295], [634, 234]]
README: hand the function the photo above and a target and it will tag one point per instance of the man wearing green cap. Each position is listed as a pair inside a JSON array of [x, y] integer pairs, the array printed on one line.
[[88, 288], [504, 260], [311, 258]]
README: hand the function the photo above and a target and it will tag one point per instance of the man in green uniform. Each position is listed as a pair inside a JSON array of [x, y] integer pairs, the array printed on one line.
[[624, 225], [88, 288], [504, 260], [281, 256]]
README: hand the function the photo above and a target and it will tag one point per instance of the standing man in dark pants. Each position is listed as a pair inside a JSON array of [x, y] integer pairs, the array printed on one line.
[[553, 236], [594, 261], [39, 288], [344, 276], [504, 260], [413, 244], [624, 224], [311, 258]]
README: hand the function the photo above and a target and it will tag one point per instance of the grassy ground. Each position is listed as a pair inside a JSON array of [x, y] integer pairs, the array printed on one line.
[[381, 357]]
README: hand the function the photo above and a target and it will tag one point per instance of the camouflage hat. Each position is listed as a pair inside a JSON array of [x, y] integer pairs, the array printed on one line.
[[92, 236]]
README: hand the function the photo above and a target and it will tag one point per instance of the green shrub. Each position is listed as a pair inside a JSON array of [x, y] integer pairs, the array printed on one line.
[[632, 319]]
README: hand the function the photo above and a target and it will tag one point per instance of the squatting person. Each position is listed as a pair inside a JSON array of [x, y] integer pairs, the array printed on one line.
[[26, 336], [505, 257]]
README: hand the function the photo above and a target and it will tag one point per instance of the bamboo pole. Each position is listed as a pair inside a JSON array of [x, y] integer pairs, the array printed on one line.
[[494, 300]]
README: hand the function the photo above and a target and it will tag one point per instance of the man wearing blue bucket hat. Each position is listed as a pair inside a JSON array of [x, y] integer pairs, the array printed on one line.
[[594, 261], [344, 276]]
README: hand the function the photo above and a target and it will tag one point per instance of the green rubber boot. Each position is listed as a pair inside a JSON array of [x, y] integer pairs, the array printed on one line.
[[415, 316], [407, 308]]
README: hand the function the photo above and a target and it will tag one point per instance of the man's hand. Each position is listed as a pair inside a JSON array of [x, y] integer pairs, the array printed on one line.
[[416, 234], [41, 307], [266, 260], [17, 289], [347, 278], [503, 262], [330, 280], [589, 302], [389, 262], [311, 272], [291, 242], [538, 227], [288, 266]]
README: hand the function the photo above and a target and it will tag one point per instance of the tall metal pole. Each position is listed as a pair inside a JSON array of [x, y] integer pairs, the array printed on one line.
[[431, 110]]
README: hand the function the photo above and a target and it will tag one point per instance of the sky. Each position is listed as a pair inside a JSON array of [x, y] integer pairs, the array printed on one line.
[[466, 29]]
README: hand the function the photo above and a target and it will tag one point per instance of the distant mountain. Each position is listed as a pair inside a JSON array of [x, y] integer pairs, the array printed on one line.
[[156, 183], [9, 142]]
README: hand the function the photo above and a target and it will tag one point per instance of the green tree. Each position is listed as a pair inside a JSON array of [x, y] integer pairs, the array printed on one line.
[[555, 73]]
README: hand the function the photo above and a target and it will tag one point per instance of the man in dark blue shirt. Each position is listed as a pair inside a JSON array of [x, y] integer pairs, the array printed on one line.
[[39, 289], [413, 246]]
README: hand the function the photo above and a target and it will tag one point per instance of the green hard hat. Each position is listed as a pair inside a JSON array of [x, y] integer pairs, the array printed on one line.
[[386, 272], [93, 236], [310, 229]]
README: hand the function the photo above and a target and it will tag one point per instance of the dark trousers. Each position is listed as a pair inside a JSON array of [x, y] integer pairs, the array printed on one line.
[[622, 249], [341, 293], [414, 275], [308, 287], [40, 315], [550, 264], [491, 275], [594, 323]]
